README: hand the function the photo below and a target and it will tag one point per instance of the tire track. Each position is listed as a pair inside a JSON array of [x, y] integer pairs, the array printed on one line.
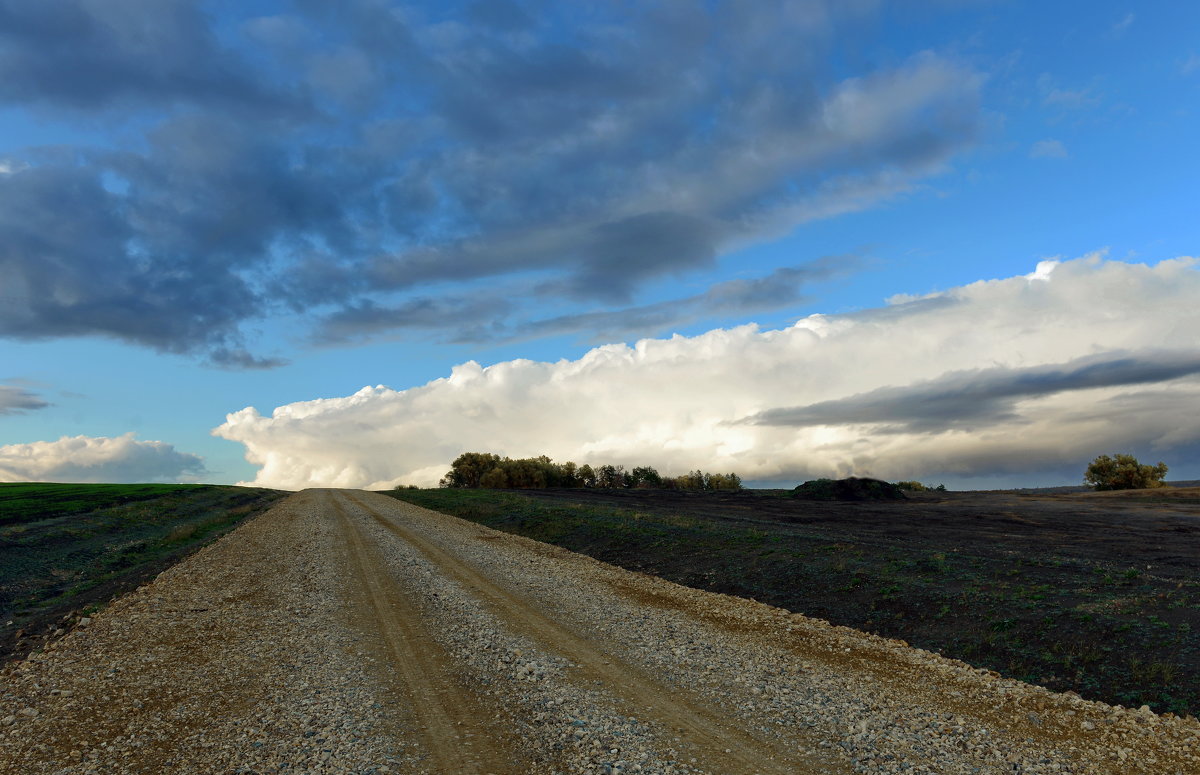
[[449, 717], [725, 748]]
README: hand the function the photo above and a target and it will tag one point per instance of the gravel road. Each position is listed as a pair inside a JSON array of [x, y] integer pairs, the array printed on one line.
[[347, 632]]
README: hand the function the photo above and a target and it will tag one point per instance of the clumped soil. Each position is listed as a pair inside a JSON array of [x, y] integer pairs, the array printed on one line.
[[1089, 592], [66, 549]]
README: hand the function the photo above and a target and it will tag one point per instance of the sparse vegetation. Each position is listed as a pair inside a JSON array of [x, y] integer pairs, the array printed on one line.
[[1123, 472], [475, 470]]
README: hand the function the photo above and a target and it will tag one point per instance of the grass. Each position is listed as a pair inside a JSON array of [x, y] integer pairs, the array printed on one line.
[[1106, 632], [29, 502], [67, 547]]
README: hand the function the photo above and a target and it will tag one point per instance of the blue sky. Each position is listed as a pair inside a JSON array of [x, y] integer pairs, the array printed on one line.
[[211, 206]]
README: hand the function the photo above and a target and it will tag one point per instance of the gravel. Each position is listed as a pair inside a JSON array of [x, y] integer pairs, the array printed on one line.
[[249, 657], [236, 660]]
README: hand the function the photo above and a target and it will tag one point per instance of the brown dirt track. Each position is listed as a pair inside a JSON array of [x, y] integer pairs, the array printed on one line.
[[342, 630]]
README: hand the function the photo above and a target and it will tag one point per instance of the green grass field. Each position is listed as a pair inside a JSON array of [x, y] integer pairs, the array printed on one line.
[[31, 502], [71, 547]]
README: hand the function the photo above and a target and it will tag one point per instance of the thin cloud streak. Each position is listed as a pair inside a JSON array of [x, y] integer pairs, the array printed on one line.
[[971, 400], [18, 400]]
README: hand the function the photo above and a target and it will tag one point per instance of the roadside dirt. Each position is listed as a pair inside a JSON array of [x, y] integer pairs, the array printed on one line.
[[346, 632]]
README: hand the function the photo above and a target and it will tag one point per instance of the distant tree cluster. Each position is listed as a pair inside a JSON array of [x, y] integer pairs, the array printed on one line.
[[915, 486], [488, 471], [1123, 472]]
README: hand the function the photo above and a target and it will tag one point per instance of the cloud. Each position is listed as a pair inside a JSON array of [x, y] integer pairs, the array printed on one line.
[[1020, 378], [481, 318], [1190, 65], [349, 166], [1065, 99], [18, 400], [1048, 149], [89, 55], [240, 359], [1124, 24], [983, 397], [368, 319], [97, 459], [740, 296]]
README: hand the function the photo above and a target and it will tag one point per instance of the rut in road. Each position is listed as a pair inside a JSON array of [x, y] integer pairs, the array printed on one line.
[[453, 724], [725, 748]]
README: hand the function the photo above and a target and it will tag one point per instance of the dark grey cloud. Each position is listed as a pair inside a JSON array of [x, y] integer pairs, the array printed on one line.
[[99, 54], [781, 288], [982, 397], [438, 313], [241, 359], [486, 316], [75, 263], [15, 399], [336, 161]]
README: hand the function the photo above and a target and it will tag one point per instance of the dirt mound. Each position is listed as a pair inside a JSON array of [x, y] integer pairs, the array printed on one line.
[[851, 489]]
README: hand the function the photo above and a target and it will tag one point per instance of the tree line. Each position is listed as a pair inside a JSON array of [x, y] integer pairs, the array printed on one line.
[[488, 471]]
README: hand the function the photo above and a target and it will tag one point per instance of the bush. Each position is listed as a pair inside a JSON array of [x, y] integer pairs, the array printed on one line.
[[851, 489], [912, 486], [1123, 472]]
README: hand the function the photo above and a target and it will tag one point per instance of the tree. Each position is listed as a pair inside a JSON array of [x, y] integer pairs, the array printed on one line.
[[467, 469], [722, 482], [1123, 472], [644, 476], [608, 476], [496, 479]]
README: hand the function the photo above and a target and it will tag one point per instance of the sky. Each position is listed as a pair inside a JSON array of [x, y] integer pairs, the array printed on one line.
[[306, 244]]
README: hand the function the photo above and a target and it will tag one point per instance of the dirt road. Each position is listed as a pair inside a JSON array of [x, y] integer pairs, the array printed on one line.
[[346, 632]]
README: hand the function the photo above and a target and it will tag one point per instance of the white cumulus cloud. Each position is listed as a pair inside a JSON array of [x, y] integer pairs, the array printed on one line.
[[1076, 359], [97, 459]]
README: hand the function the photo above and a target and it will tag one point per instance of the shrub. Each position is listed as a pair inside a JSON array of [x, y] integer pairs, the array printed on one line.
[[912, 486], [851, 489], [1123, 472]]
